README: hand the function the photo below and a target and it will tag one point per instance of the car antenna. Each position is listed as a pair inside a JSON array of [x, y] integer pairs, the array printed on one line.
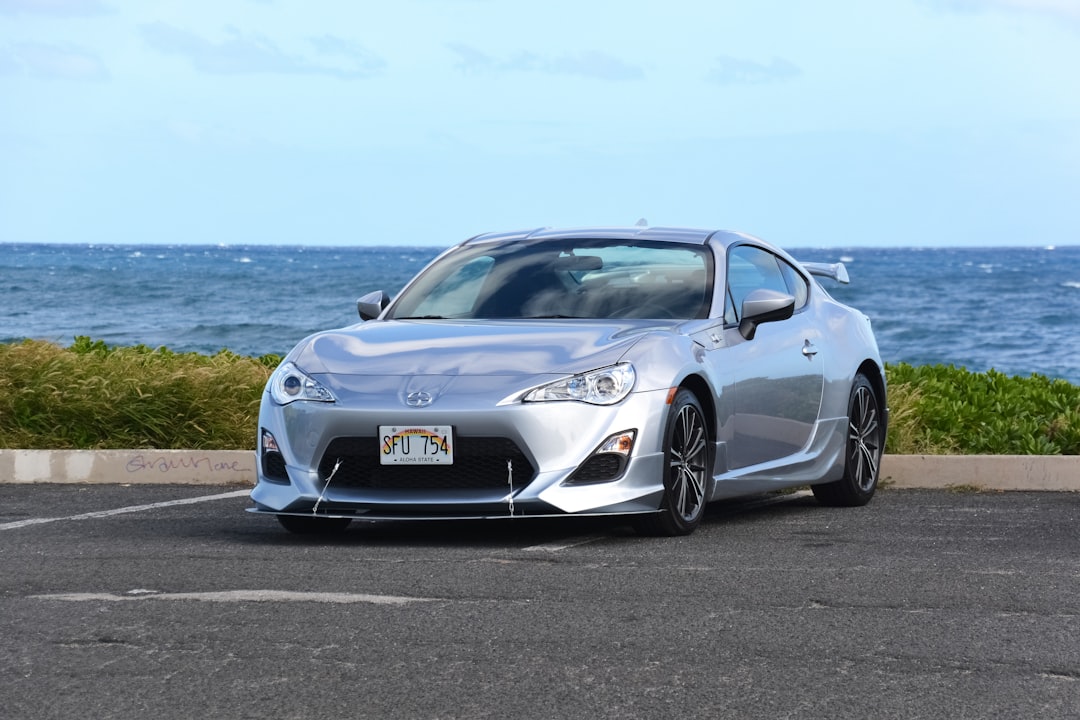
[[642, 222]]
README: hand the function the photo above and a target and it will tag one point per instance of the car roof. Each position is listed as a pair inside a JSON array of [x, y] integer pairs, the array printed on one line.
[[697, 236]]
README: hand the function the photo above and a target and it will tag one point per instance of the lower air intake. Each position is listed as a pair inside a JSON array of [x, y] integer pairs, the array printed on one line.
[[479, 462]]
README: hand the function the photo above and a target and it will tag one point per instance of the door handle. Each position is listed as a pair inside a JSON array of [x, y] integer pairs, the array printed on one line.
[[808, 350]]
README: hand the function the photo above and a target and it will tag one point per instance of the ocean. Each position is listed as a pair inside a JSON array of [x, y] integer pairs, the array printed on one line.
[[1016, 310]]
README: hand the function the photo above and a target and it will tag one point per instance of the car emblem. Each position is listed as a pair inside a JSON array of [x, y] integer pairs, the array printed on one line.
[[418, 399]]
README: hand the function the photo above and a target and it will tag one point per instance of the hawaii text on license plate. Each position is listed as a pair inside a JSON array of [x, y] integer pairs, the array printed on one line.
[[416, 445]]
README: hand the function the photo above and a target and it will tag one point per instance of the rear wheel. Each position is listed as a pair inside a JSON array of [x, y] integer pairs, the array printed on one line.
[[862, 454], [303, 525], [686, 470]]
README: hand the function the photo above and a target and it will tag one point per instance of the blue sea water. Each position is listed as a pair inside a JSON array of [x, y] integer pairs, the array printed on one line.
[[1016, 310]]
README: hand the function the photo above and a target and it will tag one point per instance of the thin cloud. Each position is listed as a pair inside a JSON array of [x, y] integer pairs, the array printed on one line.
[[60, 8], [471, 59], [241, 54], [54, 62], [1062, 9], [736, 71], [596, 65], [589, 64], [360, 56]]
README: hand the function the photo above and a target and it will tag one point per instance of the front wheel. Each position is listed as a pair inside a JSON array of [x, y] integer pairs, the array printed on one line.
[[686, 470], [862, 454], [303, 525]]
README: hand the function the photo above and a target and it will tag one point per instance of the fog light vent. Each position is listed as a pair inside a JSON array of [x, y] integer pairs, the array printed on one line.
[[607, 462]]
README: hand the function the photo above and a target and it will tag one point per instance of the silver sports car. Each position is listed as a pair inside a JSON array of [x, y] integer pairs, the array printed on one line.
[[640, 371]]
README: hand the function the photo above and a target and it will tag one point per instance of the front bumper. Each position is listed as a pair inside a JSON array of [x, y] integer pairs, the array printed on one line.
[[554, 439]]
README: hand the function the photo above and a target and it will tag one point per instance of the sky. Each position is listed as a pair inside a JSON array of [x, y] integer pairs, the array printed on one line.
[[816, 123]]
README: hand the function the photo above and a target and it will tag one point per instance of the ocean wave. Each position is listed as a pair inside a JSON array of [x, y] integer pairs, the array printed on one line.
[[954, 306]]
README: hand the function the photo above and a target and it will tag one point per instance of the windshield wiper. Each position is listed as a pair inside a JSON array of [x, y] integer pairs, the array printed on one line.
[[421, 317]]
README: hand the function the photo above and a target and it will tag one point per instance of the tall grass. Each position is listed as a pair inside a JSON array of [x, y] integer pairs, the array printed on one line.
[[91, 396]]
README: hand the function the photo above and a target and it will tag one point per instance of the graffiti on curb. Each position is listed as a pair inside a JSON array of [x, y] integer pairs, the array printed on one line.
[[187, 463]]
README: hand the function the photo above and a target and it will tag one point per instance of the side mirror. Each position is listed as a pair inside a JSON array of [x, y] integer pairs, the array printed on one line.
[[762, 306], [371, 305]]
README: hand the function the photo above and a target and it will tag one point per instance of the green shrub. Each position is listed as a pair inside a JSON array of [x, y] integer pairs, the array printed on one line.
[[941, 409], [91, 396]]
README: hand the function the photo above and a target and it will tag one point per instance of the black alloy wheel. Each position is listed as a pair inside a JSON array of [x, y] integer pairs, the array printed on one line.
[[863, 450], [686, 471]]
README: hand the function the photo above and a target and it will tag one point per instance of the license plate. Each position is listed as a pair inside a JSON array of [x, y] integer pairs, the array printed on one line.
[[416, 445]]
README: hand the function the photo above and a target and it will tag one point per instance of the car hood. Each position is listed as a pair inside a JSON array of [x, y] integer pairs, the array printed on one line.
[[477, 348]]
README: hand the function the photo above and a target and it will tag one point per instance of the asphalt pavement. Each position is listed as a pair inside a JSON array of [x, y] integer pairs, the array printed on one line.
[[170, 601]]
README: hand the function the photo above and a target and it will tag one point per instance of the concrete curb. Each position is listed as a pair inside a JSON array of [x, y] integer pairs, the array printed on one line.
[[985, 472], [237, 467], [185, 467]]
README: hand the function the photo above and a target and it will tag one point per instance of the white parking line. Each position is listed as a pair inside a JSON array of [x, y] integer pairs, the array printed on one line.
[[124, 510], [234, 596], [565, 545]]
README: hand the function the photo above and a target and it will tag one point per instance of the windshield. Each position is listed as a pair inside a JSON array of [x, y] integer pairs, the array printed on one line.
[[584, 278]]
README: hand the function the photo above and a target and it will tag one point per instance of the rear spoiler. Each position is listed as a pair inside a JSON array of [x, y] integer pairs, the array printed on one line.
[[833, 271]]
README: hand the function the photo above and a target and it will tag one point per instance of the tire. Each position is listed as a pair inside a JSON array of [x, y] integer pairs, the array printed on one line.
[[862, 451], [313, 525], [686, 471]]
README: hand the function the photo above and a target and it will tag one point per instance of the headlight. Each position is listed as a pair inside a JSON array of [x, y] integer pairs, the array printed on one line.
[[606, 386], [290, 383]]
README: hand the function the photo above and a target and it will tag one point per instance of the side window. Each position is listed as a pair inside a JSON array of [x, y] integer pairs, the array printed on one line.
[[749, 269], [796, 284]]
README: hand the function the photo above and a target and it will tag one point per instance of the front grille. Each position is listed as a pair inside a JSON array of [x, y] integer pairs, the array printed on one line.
[[479, 462]]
